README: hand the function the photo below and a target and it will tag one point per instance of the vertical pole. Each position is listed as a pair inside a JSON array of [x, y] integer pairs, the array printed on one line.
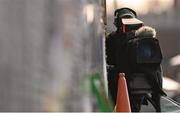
[[104, 17], [104, 13]]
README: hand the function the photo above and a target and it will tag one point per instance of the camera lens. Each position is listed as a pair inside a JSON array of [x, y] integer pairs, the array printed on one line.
[[145, 51]]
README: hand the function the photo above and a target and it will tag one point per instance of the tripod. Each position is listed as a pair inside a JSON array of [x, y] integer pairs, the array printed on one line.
[[140, 92]]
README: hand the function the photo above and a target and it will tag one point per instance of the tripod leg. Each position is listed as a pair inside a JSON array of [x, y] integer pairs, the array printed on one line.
[[136, 102], [157, 98]]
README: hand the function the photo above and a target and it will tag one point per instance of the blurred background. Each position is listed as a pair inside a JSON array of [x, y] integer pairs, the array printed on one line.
[[48, 47]]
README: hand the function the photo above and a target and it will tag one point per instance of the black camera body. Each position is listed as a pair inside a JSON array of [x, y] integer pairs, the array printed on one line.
[[139, 56], [144, 56], [143, 51]]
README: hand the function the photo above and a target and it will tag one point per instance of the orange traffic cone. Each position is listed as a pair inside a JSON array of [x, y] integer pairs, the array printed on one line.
[[122, 102]]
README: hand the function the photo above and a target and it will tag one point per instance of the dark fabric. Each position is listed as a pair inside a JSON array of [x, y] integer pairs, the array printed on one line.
[[115, 51], [115, 55], [113, 83]]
